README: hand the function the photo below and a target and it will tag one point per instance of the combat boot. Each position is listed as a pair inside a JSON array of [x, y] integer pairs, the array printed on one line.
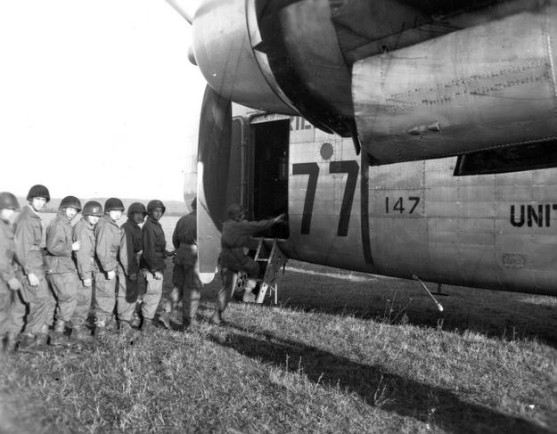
[[3, 349], [136, 321], [147, 326], [124, 327], [248, 297], [216, 319], [100, 328], [165, 319], [189, 324], [33, 344], [10, 343], [81, 334], [58, 337]]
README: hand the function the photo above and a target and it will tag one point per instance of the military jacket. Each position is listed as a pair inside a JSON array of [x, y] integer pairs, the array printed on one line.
[[154, 246], [134, 242], [84, 232], [235, 236], [59, 246], [110, 246], [184, 240], [7, 252], [28, 239]]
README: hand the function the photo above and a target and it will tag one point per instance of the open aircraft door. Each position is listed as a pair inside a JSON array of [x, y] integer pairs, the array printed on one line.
[[219, 176]]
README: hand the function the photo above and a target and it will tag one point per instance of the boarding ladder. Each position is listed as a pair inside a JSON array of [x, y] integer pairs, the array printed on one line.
[[274, 261]]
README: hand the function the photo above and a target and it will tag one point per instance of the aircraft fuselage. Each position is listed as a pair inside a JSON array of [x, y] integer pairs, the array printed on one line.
[[417, 218]]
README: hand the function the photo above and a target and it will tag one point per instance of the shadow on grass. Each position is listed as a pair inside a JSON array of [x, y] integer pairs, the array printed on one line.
[[377, 387], [496, 314]]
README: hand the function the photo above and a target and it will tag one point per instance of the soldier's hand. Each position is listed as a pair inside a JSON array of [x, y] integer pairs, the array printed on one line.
[[33, 280], [158, 275], [87, 282], [76, 246], [133, 276], [111, 275], [14, 284]]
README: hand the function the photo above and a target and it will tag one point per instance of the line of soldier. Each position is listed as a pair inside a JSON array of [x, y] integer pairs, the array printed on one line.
[[44, 292], [97, 253]]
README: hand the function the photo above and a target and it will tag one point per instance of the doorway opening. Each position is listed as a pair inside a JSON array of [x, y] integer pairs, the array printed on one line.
[[268, 181]]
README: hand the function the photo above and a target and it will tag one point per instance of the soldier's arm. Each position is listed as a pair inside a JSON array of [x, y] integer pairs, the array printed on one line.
[[124, 253], [252, 228], [24, 241], [7, 270], [102, 249], [149, 248], [82, 258], [176, 235]]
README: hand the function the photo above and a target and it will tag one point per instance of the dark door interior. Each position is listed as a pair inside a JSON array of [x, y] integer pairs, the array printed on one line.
[[269, 180]]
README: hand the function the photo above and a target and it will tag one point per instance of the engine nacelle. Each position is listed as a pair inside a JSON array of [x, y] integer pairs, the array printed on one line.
[[484, 87], [223, 44]]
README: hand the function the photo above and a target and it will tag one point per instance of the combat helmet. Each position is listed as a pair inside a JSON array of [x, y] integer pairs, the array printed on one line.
[[70, 202], [155, 204], [113, 204], [93, 208], [38, 190], [8, 201], [137, 207], [235, 212]]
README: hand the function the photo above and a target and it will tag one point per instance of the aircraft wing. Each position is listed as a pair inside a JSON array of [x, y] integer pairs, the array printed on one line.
[[406, 79]]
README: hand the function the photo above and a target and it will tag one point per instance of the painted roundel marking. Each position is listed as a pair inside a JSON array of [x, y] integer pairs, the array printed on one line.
[[326, 151]]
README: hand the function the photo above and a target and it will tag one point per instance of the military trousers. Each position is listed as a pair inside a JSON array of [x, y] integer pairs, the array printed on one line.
[[225, 292], [7, 300], [83, 304], [65, 287], [191, 290], [105, 297], [153, 294], [34, 309], [128, 292]]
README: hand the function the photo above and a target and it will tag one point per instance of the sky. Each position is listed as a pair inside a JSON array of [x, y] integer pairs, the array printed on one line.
[[97, 98]]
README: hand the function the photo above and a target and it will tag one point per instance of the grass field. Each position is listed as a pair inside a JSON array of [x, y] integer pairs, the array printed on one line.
[[340, 353]]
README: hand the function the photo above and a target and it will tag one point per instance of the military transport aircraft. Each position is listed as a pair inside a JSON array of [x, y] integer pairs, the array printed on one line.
[[408, 138]]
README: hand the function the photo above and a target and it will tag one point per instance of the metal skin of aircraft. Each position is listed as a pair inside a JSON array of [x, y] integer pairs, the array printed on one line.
[[452, 103], [495, 231], [405, 79]]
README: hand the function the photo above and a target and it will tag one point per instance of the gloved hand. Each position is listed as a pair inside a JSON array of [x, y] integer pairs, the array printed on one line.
[[111, 275], [14, 284], [132, 276], [87, 282], [33, 280], [157, 275]]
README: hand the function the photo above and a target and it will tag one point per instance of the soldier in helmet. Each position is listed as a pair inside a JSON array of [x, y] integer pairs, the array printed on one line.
[[237, 235], [8, 281], [153, 261], [61, 270], [111, 258], [128, 290], [84, 232], [185, 275], [39, 302]]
